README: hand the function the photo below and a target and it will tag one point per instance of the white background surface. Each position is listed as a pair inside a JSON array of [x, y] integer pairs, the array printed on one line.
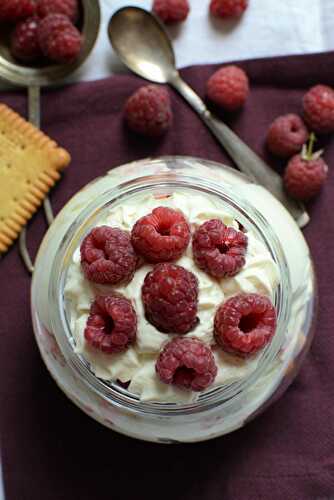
[[268, 28]]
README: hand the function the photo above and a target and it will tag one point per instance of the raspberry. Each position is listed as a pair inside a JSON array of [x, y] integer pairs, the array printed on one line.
[[305, 173], [162, 235], [59, 39], [228, 8], [218, 249], [171, 11], [112, 324], [107, 256], [318, 105], [15, 10], [286, 135], [245, 323], [68, 8], [148, 111], [170, 296], [228, 87], [24, 42], [187, 363]]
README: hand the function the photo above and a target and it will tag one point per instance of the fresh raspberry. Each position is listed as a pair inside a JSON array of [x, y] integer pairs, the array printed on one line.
[[68, 8], [286, 135], [59, 39], [24, 41], [148, 111], [162, 235], [228, 8], [245, 323], [187, 363], [170, 296], [15, 10], [171, 11], [228, 87], [218, 249], [305, 173], [107, 256], [112, 324], [318, 105]]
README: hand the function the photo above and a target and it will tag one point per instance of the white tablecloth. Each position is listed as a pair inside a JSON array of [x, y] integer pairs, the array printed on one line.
[[268, 28]]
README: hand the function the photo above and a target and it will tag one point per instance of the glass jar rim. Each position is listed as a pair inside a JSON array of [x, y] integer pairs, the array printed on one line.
[[168, 181]]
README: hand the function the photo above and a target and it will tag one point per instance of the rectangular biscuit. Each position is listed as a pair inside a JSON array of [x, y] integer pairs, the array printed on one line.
[[29, 166]]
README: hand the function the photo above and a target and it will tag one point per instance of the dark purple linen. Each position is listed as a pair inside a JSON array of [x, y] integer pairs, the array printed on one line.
[[52, 451]]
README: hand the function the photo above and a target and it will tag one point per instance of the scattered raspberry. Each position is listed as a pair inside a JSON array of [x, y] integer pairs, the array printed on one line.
[[218, 249], [318, 105], [162, 235], [228, 8], [245, 323], [305, 173], [24, 42], [286, 135], [187, 363], [107, 256], [68, 8], [228, 87], [112, 324], [148, 111], [15, 10], [59, 39], [171, 11], [170, 296]]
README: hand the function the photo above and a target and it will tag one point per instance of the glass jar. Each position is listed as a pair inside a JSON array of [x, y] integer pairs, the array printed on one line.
[[221, 409]]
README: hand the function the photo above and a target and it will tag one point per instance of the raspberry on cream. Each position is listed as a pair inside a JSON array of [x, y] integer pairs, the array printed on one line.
[[170, 298], [112, 324], [107, 256], [219, 250], [162, 235]]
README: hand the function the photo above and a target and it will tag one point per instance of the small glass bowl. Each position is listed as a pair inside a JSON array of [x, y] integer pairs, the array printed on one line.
[[221, 409]]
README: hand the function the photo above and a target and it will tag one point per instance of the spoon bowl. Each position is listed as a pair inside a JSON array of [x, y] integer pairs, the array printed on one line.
[[141, 42]]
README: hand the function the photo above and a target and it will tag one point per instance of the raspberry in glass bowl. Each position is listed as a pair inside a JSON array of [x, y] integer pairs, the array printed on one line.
[[171, 351]]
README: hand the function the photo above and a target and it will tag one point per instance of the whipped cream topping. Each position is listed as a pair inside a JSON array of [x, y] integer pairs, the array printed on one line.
[[137, 364]]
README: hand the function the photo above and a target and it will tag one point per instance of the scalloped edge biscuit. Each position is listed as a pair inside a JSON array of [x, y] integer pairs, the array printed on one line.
[[29, 166]]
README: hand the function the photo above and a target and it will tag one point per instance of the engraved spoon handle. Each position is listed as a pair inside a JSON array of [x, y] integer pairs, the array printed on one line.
[[244, 157]]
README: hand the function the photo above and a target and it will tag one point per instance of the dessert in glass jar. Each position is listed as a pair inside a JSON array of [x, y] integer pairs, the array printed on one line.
[[169, 304]]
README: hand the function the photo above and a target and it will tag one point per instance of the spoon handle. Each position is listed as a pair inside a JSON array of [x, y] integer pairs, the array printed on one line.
[[243, 156], [34, 115]]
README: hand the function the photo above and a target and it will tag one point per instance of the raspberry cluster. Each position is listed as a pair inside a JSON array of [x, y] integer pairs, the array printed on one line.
[[44, 29], [110, 256], [287, 137]]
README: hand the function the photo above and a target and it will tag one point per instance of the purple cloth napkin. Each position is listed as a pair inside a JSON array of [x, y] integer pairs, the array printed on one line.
[[52, 451]]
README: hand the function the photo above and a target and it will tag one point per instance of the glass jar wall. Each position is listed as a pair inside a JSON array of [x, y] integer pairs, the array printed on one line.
[[217, 411]]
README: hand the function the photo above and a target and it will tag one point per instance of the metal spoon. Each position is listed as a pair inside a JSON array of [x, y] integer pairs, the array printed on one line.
[[36, 77], [143, 45]]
